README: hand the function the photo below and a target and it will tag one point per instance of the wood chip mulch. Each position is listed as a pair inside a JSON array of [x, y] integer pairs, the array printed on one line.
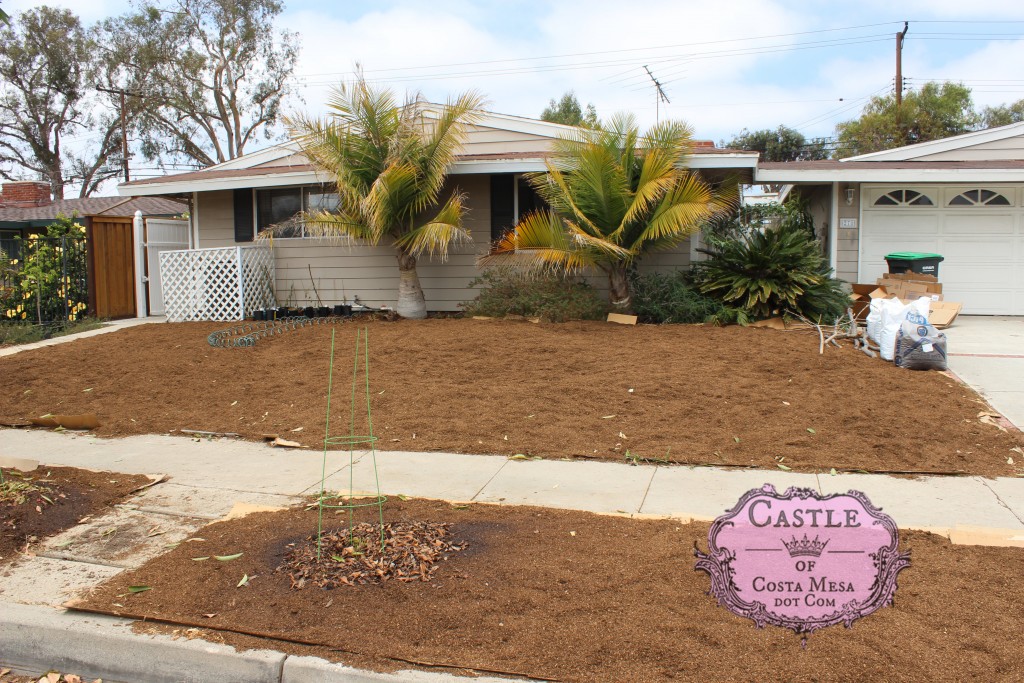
[[411, 552]]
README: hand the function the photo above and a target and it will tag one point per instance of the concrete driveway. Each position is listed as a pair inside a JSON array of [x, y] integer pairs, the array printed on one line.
[[987, 352]]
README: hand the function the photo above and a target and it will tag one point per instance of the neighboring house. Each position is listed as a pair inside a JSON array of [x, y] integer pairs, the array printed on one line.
[[26, 209], [961, 197], [231, 202]]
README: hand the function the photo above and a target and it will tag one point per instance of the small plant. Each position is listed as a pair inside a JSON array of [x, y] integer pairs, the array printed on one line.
[[775, 271], [671, 298], [15, 491], [546, 296]]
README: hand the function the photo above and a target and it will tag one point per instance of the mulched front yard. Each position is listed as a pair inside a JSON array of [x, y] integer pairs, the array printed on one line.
[[48, 500], [573, 596], [685, 394]]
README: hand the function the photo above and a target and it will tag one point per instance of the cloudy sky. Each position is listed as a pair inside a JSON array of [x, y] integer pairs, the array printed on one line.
[[758, 64]]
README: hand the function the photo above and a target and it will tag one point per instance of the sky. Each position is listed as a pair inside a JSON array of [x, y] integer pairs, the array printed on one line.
[[760, 63]]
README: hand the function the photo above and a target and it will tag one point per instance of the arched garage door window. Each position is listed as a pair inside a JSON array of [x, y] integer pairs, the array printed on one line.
[[979, 198], [904, 198]]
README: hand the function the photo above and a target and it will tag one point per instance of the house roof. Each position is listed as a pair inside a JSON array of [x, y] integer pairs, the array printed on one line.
[[93, 206], [522, 145], [950, 144]]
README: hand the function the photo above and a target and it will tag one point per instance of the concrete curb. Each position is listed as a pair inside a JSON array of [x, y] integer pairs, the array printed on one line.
[[39, 639], [34, 640]]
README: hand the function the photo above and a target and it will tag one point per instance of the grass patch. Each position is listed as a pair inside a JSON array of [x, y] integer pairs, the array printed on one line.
[[26, 333]]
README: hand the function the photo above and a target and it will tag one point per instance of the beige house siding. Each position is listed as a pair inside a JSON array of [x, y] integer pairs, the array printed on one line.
[[997, 150], [848, 239], [485, 140], [341, 271], [215, 216], [338, 271]]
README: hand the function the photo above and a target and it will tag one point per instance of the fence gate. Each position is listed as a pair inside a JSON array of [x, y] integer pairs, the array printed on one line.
[[112, 266], [162, 234]]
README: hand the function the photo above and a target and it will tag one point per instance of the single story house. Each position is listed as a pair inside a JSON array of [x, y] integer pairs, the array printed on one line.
[[961, 197], [231, 202]]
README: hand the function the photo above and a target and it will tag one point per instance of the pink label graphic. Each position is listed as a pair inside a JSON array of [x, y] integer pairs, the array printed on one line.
[[802, 560]]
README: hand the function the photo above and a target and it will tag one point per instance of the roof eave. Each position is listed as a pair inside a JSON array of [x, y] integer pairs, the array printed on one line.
[[476, 166], [890, 175]]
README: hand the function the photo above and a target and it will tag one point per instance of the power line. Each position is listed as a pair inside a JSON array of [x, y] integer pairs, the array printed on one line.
[[637, 61], [607, 52]]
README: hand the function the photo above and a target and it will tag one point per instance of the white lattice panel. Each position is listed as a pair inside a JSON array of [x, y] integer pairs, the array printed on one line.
[[216, 284]]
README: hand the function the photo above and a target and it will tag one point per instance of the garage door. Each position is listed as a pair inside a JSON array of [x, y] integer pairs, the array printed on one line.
[[979, 231]]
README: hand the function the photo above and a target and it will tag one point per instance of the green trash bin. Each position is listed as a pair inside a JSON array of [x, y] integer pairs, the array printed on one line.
[[915, 262]]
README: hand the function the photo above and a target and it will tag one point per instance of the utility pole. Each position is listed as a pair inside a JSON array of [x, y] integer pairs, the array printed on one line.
[[899, 64], [124, 125], [659, 96]]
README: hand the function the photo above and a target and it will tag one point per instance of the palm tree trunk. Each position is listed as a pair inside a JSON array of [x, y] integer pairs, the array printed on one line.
[[618, 289], [411, 303]]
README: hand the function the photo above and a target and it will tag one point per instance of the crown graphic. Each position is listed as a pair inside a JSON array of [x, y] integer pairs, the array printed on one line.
[[804, 547]]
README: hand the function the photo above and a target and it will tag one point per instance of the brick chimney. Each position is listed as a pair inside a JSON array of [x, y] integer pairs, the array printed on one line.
[[25, 194]]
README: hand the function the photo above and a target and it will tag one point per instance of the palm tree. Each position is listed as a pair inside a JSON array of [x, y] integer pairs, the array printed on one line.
[[614, 195], [389, 163]]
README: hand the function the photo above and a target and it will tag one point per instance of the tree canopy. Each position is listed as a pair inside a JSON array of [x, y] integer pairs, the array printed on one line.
[[568, 111], [779, 144], [1002, 115], [933, 112], [209, 76], [46, 64]]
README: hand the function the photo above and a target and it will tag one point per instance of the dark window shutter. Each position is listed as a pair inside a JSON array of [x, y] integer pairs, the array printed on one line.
[[503, 215], [243, 215]]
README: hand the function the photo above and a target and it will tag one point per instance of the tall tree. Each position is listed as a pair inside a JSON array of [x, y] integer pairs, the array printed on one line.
[[210, 75], [1002, 115], [780, 144], [45, 64], [568, 111], [933, 112], [389, 162], [614, 195]]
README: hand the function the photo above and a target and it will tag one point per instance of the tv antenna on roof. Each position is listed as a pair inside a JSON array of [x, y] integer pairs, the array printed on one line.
[[660, 95]]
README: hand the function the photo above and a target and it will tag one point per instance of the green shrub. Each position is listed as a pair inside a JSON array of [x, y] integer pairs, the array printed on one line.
[[775, 271], [671, 298], [12, 333], [549, 297], [46, 282]]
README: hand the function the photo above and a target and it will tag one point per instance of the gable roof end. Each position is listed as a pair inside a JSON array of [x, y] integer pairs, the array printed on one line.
[[911, 152]]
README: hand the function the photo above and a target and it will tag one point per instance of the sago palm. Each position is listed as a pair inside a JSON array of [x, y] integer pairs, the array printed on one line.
[[613, 196], [389, 162]]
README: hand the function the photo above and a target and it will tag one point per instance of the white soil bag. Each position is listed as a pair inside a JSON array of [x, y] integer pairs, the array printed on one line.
[[893, 315]]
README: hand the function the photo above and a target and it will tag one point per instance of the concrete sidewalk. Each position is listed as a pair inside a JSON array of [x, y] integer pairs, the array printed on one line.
[[207, 478], [606, 487]]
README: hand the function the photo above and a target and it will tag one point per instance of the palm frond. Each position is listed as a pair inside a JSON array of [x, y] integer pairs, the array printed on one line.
[[436, 237], [539, 242], [328, 224]]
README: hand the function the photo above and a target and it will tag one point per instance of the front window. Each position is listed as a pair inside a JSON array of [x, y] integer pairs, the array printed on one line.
[[280, 208]]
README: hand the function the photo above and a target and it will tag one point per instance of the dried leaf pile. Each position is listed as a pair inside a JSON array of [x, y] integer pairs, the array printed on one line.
[[411, 552]]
